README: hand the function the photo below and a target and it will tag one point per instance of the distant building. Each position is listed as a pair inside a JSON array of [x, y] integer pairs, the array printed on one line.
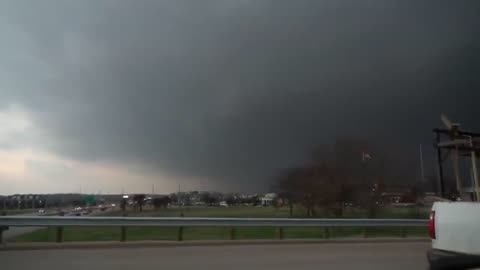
[[268, 199]]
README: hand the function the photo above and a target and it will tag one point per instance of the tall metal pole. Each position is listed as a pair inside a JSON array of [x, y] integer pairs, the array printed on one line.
[[422, 168], [474, 170], [456, 172], [440, 166]]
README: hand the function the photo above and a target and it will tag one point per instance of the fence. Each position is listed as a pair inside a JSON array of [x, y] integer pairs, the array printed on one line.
[[124, 222]]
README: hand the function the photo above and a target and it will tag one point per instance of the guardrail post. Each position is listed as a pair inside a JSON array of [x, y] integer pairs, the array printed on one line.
[[123, 231], [280, 233], [2, 228], [326, 233], [123, 234], [180, 234], [232, 233], [59, 234], [180, 231]]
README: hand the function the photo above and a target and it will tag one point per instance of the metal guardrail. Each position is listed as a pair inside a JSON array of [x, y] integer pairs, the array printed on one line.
[[206, 222], [181, 222]]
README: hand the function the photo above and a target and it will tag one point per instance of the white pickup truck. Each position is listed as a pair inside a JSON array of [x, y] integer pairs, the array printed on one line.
[[455, 233]]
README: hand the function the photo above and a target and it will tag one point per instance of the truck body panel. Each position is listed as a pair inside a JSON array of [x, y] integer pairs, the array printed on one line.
[[457, 227]]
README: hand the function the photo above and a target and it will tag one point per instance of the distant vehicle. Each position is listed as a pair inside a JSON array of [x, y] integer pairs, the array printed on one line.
[[41, 211], [199, 204], [223, 204], [455, 234]]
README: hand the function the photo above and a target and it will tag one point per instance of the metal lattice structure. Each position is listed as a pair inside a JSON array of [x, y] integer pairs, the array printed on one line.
[[456, 143]]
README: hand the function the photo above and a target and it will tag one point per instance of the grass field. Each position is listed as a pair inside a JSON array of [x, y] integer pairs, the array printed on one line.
[[166, 233]]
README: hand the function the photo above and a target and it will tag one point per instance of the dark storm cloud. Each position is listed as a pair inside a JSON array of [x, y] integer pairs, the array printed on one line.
[[233, 90]]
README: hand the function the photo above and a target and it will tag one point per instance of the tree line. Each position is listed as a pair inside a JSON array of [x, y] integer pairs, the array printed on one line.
[[349, 172]]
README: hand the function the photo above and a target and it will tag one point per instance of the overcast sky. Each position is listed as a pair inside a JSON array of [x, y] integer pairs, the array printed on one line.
[[102, 95]]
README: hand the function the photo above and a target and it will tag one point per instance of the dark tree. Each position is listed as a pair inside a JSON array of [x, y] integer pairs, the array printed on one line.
[[174, 198], [231, 200], [335, 176], [123, 204], [161, 202], [208, 199], [139, 200]]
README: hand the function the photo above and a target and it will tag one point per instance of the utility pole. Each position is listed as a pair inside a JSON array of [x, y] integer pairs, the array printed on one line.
[[457, 172], [440, 165], [422, 168], [474, 171]]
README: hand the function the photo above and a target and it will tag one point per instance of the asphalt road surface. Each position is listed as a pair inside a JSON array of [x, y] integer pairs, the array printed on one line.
[[13, 232], [339, 256]]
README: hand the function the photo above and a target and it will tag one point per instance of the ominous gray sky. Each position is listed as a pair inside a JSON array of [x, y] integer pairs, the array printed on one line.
[[220, 94]]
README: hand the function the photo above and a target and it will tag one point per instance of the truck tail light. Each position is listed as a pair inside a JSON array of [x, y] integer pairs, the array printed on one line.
[[432, 225]]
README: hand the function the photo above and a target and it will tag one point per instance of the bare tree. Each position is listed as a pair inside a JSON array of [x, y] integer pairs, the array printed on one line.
[[139, 200], [161, 202], [336, 175]]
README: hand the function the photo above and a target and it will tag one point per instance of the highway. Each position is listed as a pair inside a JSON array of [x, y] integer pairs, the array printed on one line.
[[358, 256], [13, 232]]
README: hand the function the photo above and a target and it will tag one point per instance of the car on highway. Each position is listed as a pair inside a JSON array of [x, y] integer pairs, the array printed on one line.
[[455, 232]]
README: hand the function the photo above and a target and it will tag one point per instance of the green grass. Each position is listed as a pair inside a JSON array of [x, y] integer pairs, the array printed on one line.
[[72, 234], [270, 212], [250, 212], [214, 233]]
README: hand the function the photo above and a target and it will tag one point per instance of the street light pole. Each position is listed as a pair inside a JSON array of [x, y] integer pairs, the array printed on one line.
[[422, 168]]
